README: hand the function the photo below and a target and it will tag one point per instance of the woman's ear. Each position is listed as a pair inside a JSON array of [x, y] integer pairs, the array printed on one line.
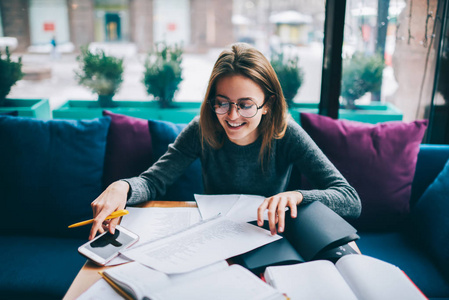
[[268, 104]]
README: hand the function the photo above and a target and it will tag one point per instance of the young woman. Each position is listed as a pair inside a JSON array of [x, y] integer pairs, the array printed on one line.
[[247, 144]]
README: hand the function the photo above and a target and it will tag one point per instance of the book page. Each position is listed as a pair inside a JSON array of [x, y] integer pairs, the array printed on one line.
[[316, 280], [136, 279], [140, 281], [200, 245], [371, 278], [235, 282], [100, 290]]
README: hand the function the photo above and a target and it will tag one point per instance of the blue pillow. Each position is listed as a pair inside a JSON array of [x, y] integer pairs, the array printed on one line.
[[50, 172], [164, 133], [431, 218]]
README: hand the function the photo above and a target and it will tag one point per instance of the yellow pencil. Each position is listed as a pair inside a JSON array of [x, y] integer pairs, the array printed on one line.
[[115, 214]]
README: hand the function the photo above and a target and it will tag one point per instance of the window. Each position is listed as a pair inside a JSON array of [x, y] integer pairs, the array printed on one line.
[[403, 35]]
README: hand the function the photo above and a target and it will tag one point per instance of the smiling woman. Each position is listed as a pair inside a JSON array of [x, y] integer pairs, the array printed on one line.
[[240, 121], [246, 144]]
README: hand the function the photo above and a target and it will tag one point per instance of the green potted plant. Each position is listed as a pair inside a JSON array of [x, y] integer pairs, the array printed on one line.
[[101, 73], [163, 73], [10, 73], [289, 73], [361, 74]]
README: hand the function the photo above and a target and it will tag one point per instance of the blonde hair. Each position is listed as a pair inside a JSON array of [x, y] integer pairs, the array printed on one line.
[[242, 59]]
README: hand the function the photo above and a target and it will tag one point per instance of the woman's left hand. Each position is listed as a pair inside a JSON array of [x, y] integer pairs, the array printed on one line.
[[276, 209]]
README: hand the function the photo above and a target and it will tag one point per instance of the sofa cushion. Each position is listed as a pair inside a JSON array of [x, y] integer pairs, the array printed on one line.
[[164, 133], [431, 218], [50, 172], [38, 267], [377, 160], [409, 255], [129, 149], [431, 161]]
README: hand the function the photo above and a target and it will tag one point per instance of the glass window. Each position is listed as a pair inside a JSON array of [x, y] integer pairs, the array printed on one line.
[[389, 55], [131, 28]]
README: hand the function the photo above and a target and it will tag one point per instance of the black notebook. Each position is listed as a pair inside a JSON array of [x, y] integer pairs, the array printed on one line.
[[316, 233]]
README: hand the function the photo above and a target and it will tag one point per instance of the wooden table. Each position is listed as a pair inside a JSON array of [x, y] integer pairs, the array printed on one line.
[[88, 274]]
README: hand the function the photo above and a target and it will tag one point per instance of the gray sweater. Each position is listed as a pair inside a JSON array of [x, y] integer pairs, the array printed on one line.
[[235, 169]]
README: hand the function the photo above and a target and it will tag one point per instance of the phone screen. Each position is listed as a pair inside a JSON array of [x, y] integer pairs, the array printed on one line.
[[109, 244]]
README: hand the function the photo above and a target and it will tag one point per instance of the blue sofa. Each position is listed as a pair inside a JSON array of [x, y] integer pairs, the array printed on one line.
[[50, 172], [403, 246], [39, 262]]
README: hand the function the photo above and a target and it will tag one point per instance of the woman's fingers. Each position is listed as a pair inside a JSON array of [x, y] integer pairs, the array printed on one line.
[[276, 206]]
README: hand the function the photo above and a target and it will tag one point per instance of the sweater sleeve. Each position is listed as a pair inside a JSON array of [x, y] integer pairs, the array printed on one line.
[[153, 183], [332, 189]]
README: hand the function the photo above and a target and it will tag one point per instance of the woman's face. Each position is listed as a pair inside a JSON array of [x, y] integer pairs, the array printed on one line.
[[240, 130]]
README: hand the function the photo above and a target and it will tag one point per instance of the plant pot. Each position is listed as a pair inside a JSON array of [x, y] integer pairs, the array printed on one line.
[[35, 108], [367, 113], [106, 101], [181, 112]]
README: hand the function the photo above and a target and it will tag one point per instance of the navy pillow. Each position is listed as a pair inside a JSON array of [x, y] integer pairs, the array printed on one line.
[[50, 172], [431, 218], [164, 133]]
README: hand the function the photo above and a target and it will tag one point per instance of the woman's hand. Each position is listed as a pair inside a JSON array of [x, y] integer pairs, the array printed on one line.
[[112, 199], [276, 209]]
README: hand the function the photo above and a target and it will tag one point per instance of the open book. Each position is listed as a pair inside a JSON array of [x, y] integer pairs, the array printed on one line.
[[135, 281], [352, 277], [316, 233]]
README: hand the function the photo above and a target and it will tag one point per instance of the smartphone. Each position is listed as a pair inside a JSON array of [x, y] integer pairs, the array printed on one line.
[[106, 246]]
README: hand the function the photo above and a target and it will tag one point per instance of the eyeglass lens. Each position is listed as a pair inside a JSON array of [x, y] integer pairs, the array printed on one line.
[[246, 108]]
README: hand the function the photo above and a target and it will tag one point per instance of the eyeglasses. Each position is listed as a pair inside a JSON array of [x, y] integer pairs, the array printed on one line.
[[247, 108]]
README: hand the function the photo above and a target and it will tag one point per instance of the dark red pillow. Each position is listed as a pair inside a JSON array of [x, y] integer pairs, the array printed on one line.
[[377, 160], [129, 150]]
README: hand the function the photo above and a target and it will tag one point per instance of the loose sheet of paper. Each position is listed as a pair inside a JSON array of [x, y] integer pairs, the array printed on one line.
[[153, 223], [212, 205], [200, 245], [238, 207]]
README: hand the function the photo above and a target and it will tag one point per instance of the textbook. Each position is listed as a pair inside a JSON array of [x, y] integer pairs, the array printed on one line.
[[316, 233], [352, 277], [136, 281]]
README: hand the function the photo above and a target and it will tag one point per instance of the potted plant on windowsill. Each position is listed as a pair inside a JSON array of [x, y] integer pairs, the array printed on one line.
[[163, 73], [10, 73], [101, 73], [361, 74], [290, 74]]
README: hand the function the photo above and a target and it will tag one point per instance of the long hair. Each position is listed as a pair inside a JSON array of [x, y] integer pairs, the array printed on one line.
[[242, 59]]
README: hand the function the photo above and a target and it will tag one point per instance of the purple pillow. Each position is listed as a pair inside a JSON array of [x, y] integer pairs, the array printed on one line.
[[129, 150], [377, 160]]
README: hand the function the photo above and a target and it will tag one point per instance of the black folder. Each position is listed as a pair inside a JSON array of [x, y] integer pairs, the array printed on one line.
[[316, 233]]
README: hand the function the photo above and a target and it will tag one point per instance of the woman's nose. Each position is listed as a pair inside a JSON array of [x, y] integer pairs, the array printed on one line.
[[233, 111]]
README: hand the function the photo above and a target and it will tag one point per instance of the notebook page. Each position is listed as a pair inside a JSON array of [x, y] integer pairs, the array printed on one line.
[[371, 278], [311, 280], [234, 282]]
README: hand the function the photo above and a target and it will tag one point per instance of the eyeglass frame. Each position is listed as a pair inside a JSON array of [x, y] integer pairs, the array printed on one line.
[[211, 103]]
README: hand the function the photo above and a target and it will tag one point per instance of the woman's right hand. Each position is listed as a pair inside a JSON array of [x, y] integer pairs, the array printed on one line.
[[112, 199]]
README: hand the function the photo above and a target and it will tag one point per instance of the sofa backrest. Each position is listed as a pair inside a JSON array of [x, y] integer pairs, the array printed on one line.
[[431, 160]]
